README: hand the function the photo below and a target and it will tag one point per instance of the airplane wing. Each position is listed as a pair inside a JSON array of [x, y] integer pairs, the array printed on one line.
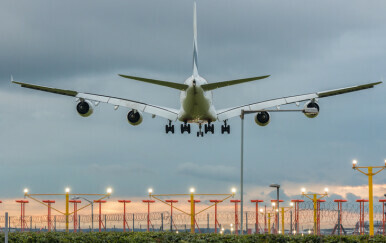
[[168, 113], [236, 111]]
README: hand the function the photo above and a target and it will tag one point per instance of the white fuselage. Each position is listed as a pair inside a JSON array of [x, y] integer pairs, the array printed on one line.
[[196, 104]]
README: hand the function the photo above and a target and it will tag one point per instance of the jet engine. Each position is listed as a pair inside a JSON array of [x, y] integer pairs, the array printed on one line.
[[311, 104], [84, 108], [134, 117], [262, 118]]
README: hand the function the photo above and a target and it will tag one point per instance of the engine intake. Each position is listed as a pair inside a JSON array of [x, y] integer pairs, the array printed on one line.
[[134, 117], [311, 104], [262, 118], [84, 108]]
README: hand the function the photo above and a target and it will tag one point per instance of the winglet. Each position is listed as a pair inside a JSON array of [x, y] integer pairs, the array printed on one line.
[[12, 78]]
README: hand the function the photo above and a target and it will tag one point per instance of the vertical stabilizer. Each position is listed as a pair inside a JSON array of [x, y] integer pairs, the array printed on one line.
[[195, 55]]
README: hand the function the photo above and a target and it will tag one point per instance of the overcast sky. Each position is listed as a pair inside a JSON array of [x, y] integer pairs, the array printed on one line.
[[305, 46]]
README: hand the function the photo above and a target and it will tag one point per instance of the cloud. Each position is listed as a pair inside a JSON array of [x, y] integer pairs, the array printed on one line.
[[207, 171]]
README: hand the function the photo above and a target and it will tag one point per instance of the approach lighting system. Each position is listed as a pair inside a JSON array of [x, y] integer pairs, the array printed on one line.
[[273, 204], [326, 189], [67, 190], [354, 163], [25, 191], [192, 190], [109, 190], [303, 190], [291, 204], [150, 191], [233, 190], [261, 210]]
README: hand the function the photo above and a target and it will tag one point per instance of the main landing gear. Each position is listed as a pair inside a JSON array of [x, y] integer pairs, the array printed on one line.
[[200, 132], [185, 128], [209, 128], [169, 128], [225, 128]]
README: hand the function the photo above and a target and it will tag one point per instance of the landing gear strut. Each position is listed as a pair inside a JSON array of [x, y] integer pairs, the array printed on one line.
[[225, 128], [185, 127], [209, 128], [169, 128], [200, 132]]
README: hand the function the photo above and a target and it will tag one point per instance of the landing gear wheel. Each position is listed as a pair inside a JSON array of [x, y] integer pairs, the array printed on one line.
[[169, 128], [182, 129], [212, 128], [189, 128], [225, 128], [206, 128]]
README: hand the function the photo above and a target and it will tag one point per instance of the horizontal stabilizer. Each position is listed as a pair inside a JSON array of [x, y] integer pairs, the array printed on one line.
[[213, 86], [158, 82]]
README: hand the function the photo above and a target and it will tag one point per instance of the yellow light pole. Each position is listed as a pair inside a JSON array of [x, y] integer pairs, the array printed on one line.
[[314, 197], [67, 207], [283, 210], [192, 211], [370, 175], [269, 223]]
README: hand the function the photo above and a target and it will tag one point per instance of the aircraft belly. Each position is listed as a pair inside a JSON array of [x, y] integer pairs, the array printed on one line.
[[196, 108]]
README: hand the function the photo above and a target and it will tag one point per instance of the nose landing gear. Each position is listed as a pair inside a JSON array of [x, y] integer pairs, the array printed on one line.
[[200, 132]]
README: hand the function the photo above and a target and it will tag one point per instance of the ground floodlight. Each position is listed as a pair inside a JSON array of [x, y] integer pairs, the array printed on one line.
[[25, 191], [291, 204], [222, 229], [231, 225], [326, 189], [233, 190], [67, 190], [303, 190], [261, 210], [177, 232], [273, 204], [192, 190], [150, 191], [109, 190], [277, 210]]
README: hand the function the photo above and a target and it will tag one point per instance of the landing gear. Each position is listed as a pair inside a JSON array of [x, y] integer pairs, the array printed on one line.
[[200, 132], [185, 128], [225, 128], [169, 128], [209, 128]]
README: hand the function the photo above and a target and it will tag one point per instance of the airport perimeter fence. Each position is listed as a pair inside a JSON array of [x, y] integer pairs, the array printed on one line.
[[160, 219]]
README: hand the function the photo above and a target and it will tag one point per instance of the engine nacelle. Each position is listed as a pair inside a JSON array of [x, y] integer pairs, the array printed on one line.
[[134, 117], [311, 104], [84, 108], [262, 118]]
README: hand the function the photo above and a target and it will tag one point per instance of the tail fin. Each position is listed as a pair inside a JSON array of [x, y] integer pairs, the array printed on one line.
[[195, 55]]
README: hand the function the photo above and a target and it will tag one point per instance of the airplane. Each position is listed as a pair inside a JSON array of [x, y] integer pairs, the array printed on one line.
[[196, 104]]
